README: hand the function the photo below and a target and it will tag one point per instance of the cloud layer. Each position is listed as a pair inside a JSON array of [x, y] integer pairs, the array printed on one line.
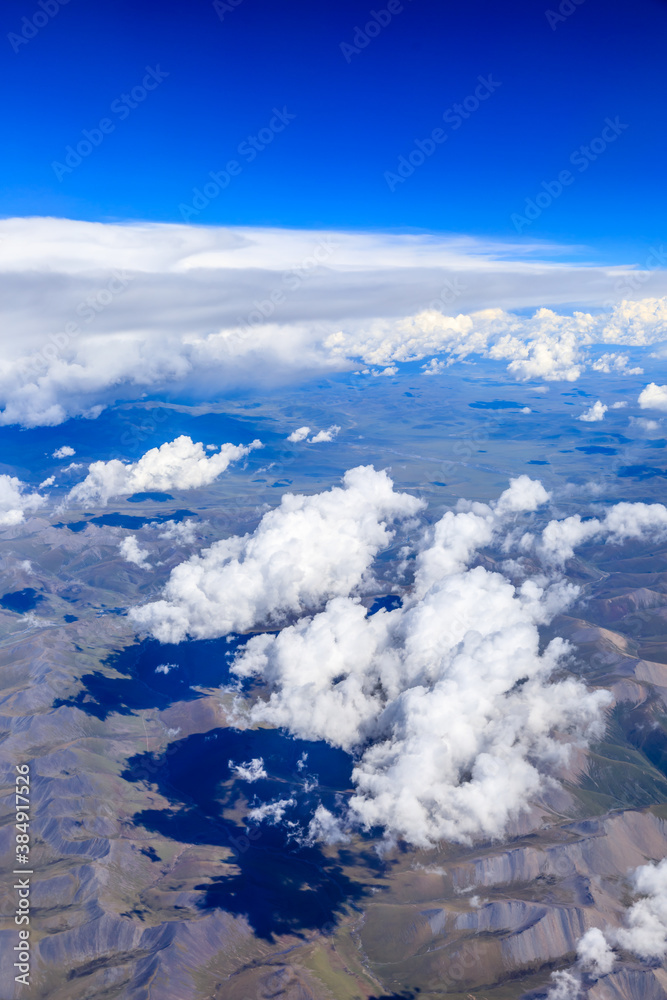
[[96, 313]]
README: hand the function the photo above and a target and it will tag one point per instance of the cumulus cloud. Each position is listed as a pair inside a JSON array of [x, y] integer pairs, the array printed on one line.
[[454, 678], [15, 501], [653, 397], [594, 952], [328, 435], [646, 425], [135, 308], [306, 550], [645, 932], [434, 367], [621, 522], [184, 532], [645, 924], [324, 826], [180, 464], [133, 553], [614, 362], [250, 770], [565, 986], [595, 413], [64, 452], [270, 812], [166, 668], [300, 434]]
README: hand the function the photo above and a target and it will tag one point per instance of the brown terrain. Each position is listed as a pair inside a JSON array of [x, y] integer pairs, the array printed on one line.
[[142, 893]]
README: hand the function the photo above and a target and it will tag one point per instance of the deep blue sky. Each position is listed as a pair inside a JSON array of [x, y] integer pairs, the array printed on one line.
[[353, 119]]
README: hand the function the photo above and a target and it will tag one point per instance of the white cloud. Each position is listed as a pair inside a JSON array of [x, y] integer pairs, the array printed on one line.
[[165, 668], [14, 501], [270, 812], [301, 553], [133, 553], [64, 452], [594, 952], [250, 770], [614, 362], [644, 424], [645, 924], [180, 464], [620, 405], [137, 308], [653, 397], [645, 932], [621, 522], [324, 826], [47, 482], [595, 413], [454, 679], [184, 532], [300, 434], [434, 367], [565, 986], [328, 435]]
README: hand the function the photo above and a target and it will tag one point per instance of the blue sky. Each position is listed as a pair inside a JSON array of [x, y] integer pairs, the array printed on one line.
[[355, 115]]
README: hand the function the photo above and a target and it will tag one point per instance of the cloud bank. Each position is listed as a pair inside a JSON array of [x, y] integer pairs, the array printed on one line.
[[97, 313], [180, 464]]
